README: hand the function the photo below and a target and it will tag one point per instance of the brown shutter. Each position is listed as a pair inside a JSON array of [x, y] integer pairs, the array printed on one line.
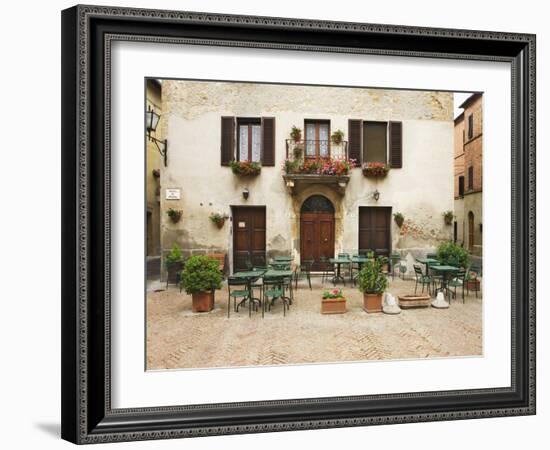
[[396, 144], [228, 140], [354, 140], [268, 141]]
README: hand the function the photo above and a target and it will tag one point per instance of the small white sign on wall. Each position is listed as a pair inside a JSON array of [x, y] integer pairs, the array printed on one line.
[[173, 194]]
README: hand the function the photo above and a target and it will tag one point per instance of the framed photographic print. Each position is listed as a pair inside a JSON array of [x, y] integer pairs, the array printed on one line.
[[281, 224]]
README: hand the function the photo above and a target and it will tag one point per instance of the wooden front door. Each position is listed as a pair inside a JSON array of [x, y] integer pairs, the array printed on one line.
[[374, 229], [248, 237], [316, 230]]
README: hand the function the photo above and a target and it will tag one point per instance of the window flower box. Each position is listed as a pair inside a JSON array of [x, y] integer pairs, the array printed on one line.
[[375, 170], [319, 166], [245, 168]]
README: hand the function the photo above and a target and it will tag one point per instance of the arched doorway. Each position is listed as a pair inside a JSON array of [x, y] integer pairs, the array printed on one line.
[[316, 229], [470, 231]]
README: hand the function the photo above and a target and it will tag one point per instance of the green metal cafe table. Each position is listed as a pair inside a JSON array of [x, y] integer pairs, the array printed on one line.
[[447, 272], [338, 262], [427, 262], [249, 276]]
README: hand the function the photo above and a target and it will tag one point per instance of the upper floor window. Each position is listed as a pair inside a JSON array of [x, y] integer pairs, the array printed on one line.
[[470, 126], [249, 139], [461, 186], [317, 138], [471, 178], [375, 142]]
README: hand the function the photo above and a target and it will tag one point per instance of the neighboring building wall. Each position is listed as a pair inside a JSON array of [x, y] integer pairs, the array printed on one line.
[[421, 190], [471, 162], [153, 162], [459, 136]]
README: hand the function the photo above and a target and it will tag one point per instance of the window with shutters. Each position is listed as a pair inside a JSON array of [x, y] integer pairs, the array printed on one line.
[[317, 143], [471, 178], [249, 139], [375, 142], [461, 186], [470, 126]]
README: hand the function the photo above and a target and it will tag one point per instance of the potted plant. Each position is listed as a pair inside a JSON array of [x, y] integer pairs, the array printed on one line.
[[375, 169], [296, 133], [448, 216], [337, 137], [245, 168], [174, 264], [174, 214], [372, 283], [451, 254], [200, 278], [384, 262], [333, 302], [472, 282], [297, 152], [399, 219], [218, 219]]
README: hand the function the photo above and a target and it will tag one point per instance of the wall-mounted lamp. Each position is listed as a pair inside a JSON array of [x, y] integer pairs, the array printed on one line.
[[376, 195], [151, 122], [246, 193]]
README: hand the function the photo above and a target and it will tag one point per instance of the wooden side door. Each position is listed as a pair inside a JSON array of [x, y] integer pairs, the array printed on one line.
[[316, 237], [374, 229], [249, 226]]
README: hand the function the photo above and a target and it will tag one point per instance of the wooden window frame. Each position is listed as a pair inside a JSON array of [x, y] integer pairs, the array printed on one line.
[[317, 143], [461, 191], [248, 121]]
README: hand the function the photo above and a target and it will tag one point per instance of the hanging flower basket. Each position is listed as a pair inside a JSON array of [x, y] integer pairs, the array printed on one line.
[[175, 215], [218, 219], [448, 216], [399, 219], [156, 173], [375, 170], [245, 168], [296, 134]]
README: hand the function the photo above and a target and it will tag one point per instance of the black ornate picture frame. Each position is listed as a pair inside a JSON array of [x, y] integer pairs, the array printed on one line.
[[87, 34]]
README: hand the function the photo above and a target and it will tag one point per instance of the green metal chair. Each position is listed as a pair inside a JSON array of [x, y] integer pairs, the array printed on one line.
[[423, 280], [327, 268], [459, 280], [304, 271], [243, 293], [273, 289]]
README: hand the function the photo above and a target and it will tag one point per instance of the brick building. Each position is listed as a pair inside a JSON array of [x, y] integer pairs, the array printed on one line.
[[468, 173]]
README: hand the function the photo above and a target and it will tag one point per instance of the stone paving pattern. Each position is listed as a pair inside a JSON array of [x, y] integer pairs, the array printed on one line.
[[178, 338]]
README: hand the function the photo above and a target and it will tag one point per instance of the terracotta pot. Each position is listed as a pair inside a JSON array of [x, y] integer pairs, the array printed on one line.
[[175, 218], [333, 306], [220, 223], [472, 285], [413, 301], [372, 303], [203, 301]]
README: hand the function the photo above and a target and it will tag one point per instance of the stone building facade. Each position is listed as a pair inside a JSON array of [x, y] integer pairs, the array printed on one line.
[[207, 124], [468, 208], [152, 175]]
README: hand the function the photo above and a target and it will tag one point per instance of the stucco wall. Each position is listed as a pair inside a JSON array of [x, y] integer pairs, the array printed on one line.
[[421, 190]]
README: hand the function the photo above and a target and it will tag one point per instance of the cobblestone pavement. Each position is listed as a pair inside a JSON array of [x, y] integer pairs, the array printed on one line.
[[179, 338]]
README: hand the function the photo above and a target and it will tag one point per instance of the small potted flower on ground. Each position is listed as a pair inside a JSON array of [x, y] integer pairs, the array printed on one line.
[[472, 282], [372, 283], [174, 264], [200, 278], [384, 262], [333, 302], [218, 219]]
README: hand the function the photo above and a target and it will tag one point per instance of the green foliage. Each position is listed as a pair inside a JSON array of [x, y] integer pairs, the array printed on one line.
[[173, 212], [383, 260], [448, 216], [175, 256], [245, 168], [201, 274], [399, 219], [296, 133], [338, 136], [371, 279], [449, 253]]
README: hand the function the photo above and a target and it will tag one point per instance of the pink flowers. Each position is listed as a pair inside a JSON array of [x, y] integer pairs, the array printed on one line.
[[320, 166], [333, 293], [375, 169]]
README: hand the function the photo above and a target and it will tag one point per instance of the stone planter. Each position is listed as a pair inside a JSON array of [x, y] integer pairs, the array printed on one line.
[[372, 303], [414, 301], [333, 306], [203, 301]]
